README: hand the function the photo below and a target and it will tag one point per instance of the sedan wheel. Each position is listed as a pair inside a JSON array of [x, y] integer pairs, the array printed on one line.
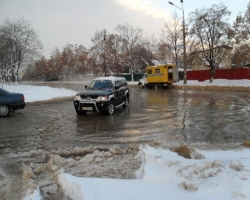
[[4, 111]]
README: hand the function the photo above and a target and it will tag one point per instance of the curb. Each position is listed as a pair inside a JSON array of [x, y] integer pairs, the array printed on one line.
[[218, 88]]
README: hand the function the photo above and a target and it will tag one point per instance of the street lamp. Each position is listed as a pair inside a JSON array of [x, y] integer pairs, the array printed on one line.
[[184, 40]]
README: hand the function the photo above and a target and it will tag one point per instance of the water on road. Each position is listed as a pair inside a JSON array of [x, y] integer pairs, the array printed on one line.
[[169, 116]]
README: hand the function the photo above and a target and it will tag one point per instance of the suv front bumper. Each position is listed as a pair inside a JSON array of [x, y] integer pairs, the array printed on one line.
[[90, 105]]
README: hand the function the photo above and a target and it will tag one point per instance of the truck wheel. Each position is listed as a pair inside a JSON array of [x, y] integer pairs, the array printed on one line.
[[140, 85], [166, 87], [4, 111], [156, 86]]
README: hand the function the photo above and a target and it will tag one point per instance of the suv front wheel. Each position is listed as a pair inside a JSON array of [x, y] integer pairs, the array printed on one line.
[[111, 108], [126, 102]]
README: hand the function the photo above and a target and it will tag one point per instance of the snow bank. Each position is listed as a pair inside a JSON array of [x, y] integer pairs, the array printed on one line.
[[39, 93], [34, 196], [163, 173]]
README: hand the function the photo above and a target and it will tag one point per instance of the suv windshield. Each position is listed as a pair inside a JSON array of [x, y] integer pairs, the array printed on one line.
[[101, 84]]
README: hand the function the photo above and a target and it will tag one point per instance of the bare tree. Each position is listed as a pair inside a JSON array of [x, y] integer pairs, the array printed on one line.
[[242, 27], [75, 59], [210, 29], [241, 54], [20, 43], [94, 61], [98, 52], [113, 55], [242, 38], [131, 37], [148, 51], [41, 69], [172, 37]]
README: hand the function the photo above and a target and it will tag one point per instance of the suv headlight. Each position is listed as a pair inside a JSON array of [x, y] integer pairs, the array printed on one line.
[[102, 98], [78, 97]]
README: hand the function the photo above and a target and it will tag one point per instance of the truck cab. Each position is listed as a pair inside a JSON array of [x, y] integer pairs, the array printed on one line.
[[143, 81]]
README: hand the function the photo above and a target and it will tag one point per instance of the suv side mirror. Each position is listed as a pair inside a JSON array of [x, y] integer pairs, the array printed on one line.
[[85, 86]]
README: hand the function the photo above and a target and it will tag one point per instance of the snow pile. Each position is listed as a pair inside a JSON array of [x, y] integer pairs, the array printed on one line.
[[39, 93], [101, 162], [35, 196], [219, 175]]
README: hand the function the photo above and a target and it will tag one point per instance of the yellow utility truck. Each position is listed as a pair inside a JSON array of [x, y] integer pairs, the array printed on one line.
[[159, 76]]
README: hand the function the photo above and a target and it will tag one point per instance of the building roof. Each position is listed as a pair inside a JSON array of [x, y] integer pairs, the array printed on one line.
[[222, 46]]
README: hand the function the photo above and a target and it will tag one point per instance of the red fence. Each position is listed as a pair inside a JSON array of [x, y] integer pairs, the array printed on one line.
[[231, 74]]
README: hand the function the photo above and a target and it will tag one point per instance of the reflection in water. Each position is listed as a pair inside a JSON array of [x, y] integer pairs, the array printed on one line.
[[171, 115]]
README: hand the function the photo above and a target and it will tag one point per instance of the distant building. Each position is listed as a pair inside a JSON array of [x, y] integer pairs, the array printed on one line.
[[199, 62]]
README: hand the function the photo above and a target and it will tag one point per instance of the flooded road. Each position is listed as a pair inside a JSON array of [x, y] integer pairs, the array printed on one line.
[[51, 132], [168, 116]]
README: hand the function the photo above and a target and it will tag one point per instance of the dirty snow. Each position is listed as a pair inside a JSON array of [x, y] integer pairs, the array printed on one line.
[[161, 174], [218, 175]]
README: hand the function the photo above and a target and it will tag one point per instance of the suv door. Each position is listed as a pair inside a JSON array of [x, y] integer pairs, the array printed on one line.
[[118, 91]]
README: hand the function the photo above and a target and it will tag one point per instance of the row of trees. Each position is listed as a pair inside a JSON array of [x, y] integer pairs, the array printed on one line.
[[127, 49], [110, 53]]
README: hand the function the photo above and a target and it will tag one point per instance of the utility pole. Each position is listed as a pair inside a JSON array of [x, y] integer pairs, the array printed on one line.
[[184, 41], [104, 64]]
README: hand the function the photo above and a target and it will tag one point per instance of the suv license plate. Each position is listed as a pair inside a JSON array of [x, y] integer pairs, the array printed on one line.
[[87, 108]]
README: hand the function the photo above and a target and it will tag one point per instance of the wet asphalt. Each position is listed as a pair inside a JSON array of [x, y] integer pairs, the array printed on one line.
[[165, 115]]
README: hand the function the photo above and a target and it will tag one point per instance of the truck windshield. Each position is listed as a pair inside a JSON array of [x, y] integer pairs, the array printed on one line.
[[101, 84]]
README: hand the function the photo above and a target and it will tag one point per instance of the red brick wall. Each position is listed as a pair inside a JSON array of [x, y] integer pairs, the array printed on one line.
[[231, 74]]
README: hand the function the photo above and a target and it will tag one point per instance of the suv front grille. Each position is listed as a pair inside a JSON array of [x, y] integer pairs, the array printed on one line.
[[88, 96]]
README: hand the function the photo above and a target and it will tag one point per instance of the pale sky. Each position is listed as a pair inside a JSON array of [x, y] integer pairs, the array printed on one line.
[[58, 22]]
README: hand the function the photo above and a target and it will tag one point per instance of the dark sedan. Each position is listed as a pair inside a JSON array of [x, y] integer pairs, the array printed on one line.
[[9, 102]]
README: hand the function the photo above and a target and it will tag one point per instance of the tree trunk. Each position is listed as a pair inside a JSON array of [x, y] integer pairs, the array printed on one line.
[[212, 72]]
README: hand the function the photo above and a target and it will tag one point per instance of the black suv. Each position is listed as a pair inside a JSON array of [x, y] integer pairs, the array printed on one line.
[[103, 94]]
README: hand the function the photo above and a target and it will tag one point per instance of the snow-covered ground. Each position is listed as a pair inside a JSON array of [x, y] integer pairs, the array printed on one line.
[[35, 93], [218, 82], [163, 174], [39, 93]]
